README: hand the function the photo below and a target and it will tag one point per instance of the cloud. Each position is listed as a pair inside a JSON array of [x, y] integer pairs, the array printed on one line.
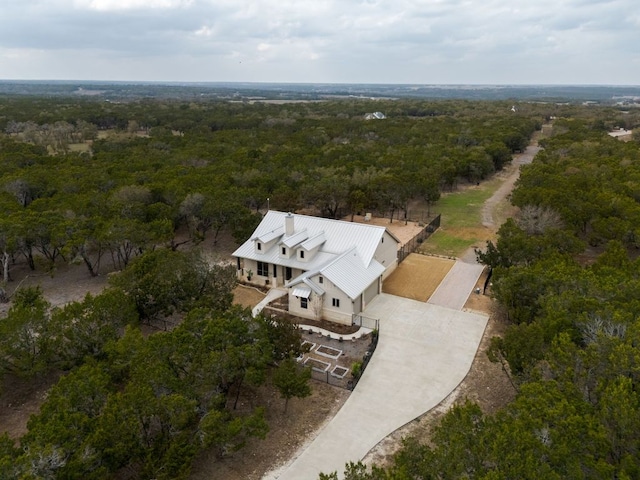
[[110, 5], [404, 41]]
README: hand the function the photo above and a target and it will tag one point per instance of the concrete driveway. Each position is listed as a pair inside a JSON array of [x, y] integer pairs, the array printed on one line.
[[424, 352], [456, 286]]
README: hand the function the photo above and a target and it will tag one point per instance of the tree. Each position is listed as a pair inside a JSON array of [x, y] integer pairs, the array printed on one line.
[[292, 380], [328, 190], [25, 335], [162, 282], [84, 328], [58, 441]]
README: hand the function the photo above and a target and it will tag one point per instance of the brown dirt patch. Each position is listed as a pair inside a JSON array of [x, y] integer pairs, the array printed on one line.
[[288, 432], [402, 232], [20, 399], [247, 296], [417, 276]]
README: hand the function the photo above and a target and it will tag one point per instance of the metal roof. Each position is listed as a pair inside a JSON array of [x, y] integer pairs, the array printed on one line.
[[301, 291], [296, 239], [344, 257], [346, 271], [350, 275], [266, 237], [314, 242], [340, 236]]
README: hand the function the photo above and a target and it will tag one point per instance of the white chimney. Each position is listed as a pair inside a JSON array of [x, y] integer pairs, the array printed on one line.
[[288, 224]]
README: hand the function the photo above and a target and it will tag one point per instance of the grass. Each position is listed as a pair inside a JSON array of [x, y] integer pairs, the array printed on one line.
[[461, 226]]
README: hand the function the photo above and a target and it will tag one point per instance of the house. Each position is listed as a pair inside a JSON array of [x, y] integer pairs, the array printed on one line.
[[375, 116], [331, 269]]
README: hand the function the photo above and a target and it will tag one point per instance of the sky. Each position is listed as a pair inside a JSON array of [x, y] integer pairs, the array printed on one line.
[[503, 42]]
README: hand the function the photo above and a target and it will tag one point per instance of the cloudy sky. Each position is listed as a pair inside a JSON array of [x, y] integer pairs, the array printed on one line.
[[318, 41]]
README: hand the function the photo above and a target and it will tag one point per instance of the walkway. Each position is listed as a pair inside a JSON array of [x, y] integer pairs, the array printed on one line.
[[423, 354], [272, 294], [275, 293], [456, 286]]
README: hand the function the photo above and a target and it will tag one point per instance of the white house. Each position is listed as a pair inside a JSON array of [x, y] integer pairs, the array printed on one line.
[[331, 269]]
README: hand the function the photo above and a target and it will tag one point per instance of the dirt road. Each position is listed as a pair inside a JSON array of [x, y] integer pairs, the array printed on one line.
[[489, 210]]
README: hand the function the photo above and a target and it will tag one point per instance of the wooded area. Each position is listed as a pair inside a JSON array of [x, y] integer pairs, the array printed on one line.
[[134, 187]]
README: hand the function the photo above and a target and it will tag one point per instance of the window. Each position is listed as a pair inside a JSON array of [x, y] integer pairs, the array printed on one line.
[[284, 250], [320, 280], [259, 246], [303, 302], [335, 302], [263, 269], [301, 253]]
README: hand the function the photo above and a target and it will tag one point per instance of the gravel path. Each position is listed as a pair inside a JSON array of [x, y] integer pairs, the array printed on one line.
[[505, 189]]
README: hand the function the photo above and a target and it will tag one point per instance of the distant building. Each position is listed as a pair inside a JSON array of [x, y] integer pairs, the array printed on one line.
[[621, 133], [375, 116], [331, 269]]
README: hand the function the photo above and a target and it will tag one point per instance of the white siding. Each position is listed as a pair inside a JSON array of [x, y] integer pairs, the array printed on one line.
[[387, 254]]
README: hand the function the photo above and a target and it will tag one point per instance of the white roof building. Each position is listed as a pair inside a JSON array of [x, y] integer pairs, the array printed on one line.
[[330, 268]]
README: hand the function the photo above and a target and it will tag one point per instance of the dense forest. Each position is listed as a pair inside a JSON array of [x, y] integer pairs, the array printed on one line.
[[134, 187], [566, 272]]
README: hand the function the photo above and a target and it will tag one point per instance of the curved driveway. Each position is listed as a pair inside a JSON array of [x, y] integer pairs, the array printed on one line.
[[423, 354]]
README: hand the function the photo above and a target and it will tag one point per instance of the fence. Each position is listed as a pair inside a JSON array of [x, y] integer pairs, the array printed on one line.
[[413, 244], [366, 322]]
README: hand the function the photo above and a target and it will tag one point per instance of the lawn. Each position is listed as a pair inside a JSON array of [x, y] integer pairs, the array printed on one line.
[[461, 226]]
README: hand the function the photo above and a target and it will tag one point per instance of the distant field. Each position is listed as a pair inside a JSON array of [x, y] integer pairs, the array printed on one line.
[[417, 277]]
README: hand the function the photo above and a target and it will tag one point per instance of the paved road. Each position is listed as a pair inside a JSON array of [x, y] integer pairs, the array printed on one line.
[[424, 352]]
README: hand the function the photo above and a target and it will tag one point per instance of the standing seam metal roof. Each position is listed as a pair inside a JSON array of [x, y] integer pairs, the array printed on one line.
[[340, 235]]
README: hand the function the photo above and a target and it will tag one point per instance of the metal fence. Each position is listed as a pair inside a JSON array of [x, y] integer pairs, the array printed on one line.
[[367, 322], [413, 244]]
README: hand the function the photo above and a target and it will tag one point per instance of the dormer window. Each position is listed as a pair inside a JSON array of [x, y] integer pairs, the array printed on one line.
[[320, 280], [259, 246], [301, 253], [284, 250]]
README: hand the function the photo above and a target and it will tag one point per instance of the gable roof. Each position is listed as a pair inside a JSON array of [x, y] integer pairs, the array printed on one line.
[[346, 271], [339, 236]]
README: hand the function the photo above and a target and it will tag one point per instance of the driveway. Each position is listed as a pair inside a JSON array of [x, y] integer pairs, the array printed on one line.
[[456, 286], [423, 354]]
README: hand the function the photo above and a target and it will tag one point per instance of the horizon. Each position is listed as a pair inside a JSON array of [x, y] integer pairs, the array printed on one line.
[[241, 82]]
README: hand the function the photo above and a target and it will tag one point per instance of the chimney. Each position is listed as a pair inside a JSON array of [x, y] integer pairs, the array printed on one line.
[[288, 224]]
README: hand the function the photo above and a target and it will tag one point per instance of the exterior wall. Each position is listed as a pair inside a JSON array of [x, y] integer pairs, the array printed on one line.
[[339, 317], [387, 254], [370, 293], [323, 305], [296, 309], [343, 313], [357, 305], [261, 280]]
